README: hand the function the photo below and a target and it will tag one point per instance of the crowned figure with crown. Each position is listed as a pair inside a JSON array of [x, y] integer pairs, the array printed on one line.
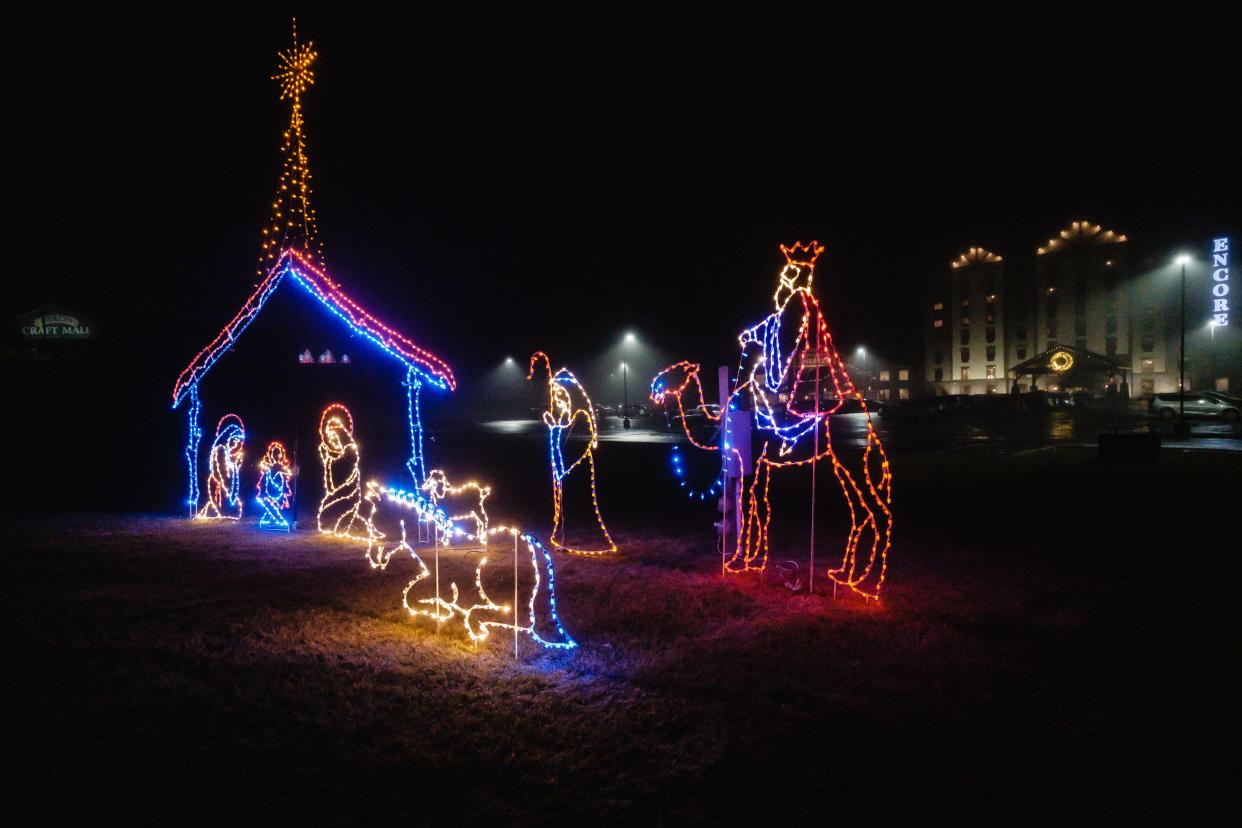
[[793, 380]]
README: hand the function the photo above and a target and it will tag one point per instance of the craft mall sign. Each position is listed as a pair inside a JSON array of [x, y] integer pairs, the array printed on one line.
[[47, 325], [1220, 282]]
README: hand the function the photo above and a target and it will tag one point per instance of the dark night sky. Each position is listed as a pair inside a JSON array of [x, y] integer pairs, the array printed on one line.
[[494, 191]]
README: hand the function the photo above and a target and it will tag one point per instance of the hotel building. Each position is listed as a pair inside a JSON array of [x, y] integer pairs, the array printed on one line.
[[990, 329]]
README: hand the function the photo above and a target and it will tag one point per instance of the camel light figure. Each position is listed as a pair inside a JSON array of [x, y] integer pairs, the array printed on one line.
[[562, 414], [792, 349]]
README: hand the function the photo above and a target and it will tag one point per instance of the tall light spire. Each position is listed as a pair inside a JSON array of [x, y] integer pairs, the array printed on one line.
[[293, 223]]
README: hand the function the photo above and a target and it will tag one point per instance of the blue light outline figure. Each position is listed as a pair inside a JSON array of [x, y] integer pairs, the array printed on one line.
[[560, 417], [274, 489], [193, 438], [224, 464]]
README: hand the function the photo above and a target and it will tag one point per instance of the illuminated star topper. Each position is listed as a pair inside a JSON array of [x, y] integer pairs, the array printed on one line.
[[294, 73]]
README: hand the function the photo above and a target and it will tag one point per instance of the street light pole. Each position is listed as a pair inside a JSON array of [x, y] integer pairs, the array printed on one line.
[[1181, 373], [625, 395]]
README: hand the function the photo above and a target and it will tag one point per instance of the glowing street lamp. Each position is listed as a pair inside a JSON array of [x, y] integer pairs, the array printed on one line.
[[862, 353], [1182, 260]]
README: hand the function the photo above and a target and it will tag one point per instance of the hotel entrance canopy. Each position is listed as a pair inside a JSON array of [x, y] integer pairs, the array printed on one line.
[[1071, 367]]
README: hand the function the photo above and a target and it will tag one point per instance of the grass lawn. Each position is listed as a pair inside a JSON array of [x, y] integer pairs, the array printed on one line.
[[1051, 643]]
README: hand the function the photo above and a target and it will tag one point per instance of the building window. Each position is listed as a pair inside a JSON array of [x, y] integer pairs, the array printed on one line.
[[965, 388], [965, 355], [903, 375], [965, 321], [1022, 352], [991, 374], [938, 323], [1110, 324], [1080, 326], [939, 375], [991, 335], [1110, 345], [938, 356], [1149, 366], [903, 393], [965, 303], [884, 376], [991, 352], [882, 394], [966, 375], [1147, 343], [939, 306], [965, 334]]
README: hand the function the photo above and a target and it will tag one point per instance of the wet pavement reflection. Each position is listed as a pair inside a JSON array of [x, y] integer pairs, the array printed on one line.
[[943, 432]]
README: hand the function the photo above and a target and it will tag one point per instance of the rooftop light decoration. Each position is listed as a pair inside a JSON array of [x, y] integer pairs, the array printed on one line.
[[1081, 232], [975, 255]]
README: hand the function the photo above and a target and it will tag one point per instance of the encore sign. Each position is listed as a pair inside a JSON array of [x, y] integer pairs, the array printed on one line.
[[1220, 282]]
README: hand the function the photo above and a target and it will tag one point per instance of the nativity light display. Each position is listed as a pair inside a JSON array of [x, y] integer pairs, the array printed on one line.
[[291, 254], [787, 361], [275, 488], [224, 501], [569, 404], [478, 613], [342, 478], [447, 515], [292, 224]]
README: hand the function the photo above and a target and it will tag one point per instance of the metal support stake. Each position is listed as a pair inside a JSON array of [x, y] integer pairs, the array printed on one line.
[[515, 595]]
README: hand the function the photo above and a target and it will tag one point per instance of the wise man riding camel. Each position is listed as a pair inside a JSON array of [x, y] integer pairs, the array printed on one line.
[[788, 366]]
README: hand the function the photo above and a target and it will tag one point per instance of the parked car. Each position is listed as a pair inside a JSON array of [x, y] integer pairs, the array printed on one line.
[[1197, 404]]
